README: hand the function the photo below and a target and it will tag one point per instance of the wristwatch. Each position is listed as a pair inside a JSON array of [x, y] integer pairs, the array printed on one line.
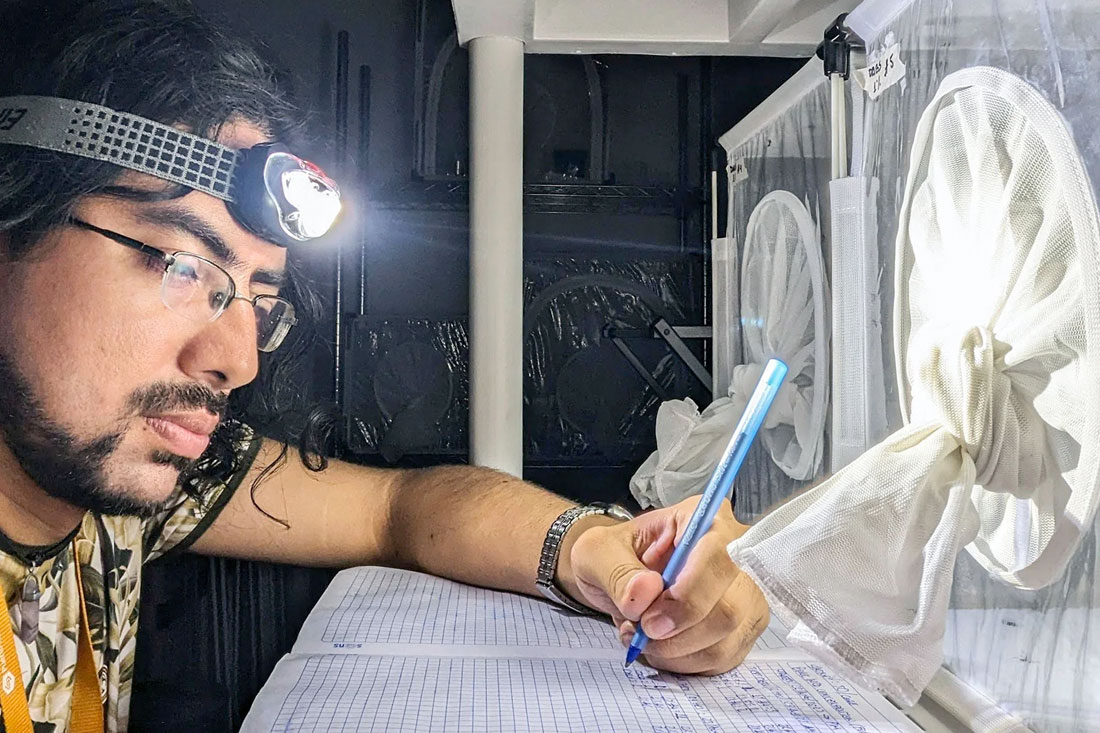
[[551, 550]]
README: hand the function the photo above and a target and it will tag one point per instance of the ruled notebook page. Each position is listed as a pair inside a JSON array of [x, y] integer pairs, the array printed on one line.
[[383, 610], [373, 610], [393, 650]]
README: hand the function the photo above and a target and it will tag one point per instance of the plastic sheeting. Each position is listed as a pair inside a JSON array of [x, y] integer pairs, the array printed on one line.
[[1036, 653], [408, 388], [408, 385], [582, 400], [789, 153]]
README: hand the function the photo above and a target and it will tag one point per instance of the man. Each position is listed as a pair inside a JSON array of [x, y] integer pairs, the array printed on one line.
[[132, 306]]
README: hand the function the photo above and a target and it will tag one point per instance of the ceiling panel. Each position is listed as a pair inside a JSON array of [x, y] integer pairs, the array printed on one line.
[[661, 27]]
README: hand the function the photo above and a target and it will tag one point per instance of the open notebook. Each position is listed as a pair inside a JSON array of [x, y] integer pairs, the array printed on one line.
[[392, 650]]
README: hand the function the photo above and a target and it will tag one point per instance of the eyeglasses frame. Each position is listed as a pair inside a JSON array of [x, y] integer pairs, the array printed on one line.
[[169, 260]]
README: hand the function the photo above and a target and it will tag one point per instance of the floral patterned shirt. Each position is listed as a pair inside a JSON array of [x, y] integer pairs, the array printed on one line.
[[112, 552]]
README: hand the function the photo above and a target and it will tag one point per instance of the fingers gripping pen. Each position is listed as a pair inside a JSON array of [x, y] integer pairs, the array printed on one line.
[[721, 481]]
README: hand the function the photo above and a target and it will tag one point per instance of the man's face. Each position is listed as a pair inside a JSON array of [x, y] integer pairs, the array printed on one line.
[[106, 394]]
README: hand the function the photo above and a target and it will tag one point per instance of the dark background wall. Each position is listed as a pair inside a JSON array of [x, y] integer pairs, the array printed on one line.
[[618, 255]]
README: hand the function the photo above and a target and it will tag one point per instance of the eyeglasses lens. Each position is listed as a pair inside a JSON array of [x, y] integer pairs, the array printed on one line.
[[201, 291], [274, 317], [195, 288]]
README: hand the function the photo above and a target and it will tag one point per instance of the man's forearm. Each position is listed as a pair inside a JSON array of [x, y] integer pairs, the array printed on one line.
[[477, 526]]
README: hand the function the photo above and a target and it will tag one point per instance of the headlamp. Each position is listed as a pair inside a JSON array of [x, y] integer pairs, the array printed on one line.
[[281, 197], [268, 190]]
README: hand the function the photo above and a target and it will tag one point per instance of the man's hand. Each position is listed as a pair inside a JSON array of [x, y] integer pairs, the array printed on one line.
[[706, 622]]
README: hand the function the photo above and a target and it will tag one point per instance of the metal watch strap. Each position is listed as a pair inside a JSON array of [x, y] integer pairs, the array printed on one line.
[[551, 551]]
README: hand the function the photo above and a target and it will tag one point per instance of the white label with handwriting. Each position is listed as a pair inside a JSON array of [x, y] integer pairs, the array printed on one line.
[[738, 171], [887, 70]]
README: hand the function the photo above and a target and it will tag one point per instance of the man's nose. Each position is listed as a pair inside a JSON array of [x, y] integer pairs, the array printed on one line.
[[224, 353]]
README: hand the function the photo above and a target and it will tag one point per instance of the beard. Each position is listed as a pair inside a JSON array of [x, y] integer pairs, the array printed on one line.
[[75, 471]]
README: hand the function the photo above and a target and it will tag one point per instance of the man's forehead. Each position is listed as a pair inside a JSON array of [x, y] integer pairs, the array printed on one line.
[[202, 217]]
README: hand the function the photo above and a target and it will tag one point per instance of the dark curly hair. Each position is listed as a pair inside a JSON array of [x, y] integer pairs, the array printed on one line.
[[159, 59]]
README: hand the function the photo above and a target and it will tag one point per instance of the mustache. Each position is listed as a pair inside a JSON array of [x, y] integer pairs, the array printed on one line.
[[169, 397]]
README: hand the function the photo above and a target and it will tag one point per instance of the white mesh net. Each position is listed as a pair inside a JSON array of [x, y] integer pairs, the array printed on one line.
[[783, 306], [997, 306]]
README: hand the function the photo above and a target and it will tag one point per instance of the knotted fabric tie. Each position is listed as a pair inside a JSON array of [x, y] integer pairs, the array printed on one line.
[[861, 566]]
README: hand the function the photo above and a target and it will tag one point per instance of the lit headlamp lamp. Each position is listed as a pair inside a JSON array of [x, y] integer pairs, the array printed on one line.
[[281, 197], [268, 190]]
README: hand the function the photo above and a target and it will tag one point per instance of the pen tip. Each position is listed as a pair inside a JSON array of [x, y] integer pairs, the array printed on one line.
[[632, 654]]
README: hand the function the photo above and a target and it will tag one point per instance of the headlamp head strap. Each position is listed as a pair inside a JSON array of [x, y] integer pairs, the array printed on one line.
[[101, 133], [275, 194]]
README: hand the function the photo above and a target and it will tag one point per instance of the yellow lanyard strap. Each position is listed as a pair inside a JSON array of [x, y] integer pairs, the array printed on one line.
[[13, 698], [87, 713], [87, 709]]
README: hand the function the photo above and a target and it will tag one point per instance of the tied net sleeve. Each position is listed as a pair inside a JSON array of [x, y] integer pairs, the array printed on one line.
[[996, 312]]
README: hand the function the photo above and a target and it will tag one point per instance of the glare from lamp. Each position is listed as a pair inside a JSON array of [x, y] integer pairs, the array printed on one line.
[[316, 205]]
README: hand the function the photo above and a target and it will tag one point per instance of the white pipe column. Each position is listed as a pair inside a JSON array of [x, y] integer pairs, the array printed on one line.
[[496, 253]]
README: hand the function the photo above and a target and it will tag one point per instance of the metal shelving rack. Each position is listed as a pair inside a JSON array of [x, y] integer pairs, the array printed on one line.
[[452, 194]]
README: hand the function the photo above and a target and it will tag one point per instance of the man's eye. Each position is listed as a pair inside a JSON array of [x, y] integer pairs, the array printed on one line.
[[152, 262], [185, 271]]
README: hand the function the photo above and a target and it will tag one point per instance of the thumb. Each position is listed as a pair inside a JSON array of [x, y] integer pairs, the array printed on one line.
[[628, 583], [642, 589]]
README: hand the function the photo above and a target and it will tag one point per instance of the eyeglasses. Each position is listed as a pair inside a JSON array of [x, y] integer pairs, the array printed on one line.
[[197, 289]]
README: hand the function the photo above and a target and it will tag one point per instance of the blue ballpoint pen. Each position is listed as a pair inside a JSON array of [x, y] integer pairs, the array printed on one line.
[[720, 481]]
